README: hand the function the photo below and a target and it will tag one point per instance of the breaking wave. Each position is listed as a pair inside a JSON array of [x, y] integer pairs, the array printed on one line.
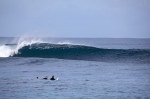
[[38, 48], [8, 50]]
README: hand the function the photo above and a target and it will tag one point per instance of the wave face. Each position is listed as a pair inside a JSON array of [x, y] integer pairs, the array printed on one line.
[[80, 52]]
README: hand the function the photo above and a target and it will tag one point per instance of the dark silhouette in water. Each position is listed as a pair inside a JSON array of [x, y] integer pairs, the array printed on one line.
[[52, 78], [37, 77], [45, 78]]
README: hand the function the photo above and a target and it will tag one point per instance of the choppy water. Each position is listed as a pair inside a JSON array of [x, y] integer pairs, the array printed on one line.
[[126, 76]]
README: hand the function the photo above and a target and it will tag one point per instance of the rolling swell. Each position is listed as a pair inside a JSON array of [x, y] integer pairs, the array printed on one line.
[[79, 52]]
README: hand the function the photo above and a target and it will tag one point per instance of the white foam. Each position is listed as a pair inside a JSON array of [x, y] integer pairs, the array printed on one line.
[[6, 51], [68, 43], [64, 42], [24, 42]]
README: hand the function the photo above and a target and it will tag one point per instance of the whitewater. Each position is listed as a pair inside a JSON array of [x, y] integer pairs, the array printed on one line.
[[87, 68], [7, 50]]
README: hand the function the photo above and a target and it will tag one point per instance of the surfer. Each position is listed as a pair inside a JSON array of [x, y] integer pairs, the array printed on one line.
[[45, 78], [52, 78], [37, 77]]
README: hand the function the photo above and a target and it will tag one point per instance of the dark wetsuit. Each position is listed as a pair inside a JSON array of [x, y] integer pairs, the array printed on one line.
[[52, 78]]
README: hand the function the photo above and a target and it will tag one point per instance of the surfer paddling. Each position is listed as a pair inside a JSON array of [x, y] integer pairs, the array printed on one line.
[[52, 78], [45, 78]]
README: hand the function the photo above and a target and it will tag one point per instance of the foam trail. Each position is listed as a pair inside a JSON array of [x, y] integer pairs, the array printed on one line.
[[68, 43], [65, 43]]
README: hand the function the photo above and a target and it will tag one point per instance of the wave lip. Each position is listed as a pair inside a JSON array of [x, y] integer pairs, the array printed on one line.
[[80, 52]]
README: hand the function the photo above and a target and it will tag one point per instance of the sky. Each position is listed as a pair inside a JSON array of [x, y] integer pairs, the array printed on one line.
[[75, 18]]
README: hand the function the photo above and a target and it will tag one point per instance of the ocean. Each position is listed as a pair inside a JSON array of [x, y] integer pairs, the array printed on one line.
[[84, 68]]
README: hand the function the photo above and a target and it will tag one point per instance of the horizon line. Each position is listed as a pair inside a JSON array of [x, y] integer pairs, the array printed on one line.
[[78, 37]]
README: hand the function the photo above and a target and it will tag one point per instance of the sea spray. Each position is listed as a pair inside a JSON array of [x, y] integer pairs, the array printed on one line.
[[8, 50], [35, 47], [25, 42]]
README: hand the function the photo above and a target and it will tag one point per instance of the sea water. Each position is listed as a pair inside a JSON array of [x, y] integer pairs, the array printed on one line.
[[84, 68]]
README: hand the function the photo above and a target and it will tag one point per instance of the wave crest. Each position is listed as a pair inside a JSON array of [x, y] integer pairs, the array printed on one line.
[[80, 52], [67, 50]]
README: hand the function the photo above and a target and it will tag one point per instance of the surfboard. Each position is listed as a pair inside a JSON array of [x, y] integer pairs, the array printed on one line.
[[57, 78]]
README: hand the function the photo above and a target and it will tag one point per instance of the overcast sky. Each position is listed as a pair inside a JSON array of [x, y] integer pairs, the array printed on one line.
[[75, 18]]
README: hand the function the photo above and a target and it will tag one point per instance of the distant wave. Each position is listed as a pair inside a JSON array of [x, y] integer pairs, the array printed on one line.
[[80, 52]]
